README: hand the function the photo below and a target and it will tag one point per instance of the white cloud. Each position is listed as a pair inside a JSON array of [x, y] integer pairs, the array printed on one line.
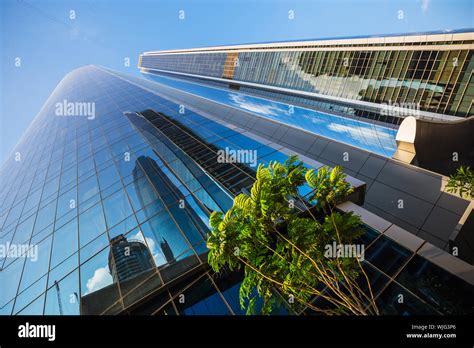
[[268, 109], [158, 256], [100, 279], [102, 276], [149, 241], [365, 135], [312, 119], [424, 5]]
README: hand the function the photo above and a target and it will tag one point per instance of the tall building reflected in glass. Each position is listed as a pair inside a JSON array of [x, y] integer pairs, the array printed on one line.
[[117, 206], [128, 258], [111, 218]]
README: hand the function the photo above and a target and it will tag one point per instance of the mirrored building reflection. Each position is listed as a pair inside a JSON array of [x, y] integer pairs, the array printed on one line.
[[128, 258], [116, 204]]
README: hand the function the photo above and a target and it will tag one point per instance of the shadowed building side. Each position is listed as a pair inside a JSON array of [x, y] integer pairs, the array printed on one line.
[[444, 147], [439, 147]]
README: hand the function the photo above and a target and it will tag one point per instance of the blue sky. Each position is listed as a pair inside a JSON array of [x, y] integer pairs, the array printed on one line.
[[105, 32]]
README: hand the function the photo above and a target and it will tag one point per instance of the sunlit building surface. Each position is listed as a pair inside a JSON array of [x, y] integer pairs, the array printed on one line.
[[114, 201], [430, 70]]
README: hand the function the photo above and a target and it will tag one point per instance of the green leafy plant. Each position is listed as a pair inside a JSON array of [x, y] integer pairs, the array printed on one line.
[[279, 240], [462, 182]]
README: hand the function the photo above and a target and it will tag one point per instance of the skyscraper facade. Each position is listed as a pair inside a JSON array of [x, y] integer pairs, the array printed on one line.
[[430, 70], [114, 166]]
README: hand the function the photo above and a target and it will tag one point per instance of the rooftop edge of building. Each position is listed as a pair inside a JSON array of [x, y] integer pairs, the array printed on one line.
[[436, 35]]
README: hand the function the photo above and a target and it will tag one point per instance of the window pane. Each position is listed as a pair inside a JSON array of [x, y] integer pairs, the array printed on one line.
[[66, 202], [64, 242], [99, 294], [117, 208], [28, 295], [187, 219], [63, 297], [91, 224], [62, 269], [37, 263], [35, 308], [141, 193], [9, 278], [45, 216], [108, 176], [88, 189], [167, 241]]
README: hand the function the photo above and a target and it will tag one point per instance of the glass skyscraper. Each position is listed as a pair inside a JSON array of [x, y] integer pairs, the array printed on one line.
[[104, 202]]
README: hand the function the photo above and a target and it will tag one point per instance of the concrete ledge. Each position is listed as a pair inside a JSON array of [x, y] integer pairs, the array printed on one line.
[[448, 262], [405, 238], [367, 217]]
